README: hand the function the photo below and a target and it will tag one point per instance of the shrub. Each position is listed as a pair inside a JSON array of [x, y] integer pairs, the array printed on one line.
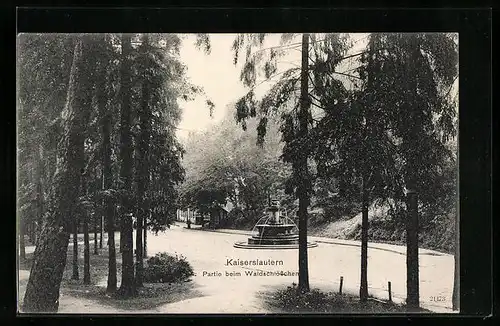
[[242, 219], [436, 235], [291, 299], [315, 301], [164, 268]]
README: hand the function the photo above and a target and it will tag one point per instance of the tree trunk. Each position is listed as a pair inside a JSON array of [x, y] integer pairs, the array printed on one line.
[[143, 168], [412, 167], [363, 289], [49, 259], [456, 273], [139, 264], [101, 230], [145, 244], [127, 287], [301, 168], [75, 275], [412, 277], [95, 221], [106, 125], [86, 250], [39, 188], [100, 217], [145, 226], [86, 240], [96, 248], [31, 233], [112, 273], [22, 246], [38, 230]]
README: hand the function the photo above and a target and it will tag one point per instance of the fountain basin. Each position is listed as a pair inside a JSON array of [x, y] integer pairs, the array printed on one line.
[[276, 240], [273, 231], [248, 245]]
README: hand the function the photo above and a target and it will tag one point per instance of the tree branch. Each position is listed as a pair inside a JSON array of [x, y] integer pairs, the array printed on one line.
[[271, 77], [449, 90], [298, 45], [316, 105], [260, 83], [287, 46]]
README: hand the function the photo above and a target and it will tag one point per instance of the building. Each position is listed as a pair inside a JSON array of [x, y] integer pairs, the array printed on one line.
[[213, 219], [218, 214], [189, 214]]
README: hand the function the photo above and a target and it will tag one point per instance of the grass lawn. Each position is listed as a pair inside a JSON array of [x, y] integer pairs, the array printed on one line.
[[289, 301], [149, 297]]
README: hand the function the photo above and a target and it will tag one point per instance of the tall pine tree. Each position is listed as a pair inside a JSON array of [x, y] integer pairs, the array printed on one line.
[[415, 73], [42, 292], [127, 287], [294, 108]]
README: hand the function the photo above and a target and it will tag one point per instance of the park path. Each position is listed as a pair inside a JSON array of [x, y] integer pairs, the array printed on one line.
[[209, 251]]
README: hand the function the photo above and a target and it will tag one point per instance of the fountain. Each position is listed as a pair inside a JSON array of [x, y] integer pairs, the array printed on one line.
[[273, 232]]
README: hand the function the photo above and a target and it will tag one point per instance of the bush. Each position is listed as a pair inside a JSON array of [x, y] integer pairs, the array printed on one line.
[[164, 268], [439, 234], [291, 299], [241, 219]]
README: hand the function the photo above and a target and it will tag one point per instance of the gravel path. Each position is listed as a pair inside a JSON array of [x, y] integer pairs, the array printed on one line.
[[209, 251], [223, 292]]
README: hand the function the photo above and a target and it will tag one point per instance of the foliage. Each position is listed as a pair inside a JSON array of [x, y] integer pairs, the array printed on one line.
[[165, 268], [379, 131], [291, 300], [44, 71], [336, 201], [225, 164], [282, 99], [44, 63], [438, 234], [414, 76], [242, 219]]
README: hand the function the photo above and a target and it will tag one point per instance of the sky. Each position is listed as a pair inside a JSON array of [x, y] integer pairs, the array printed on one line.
[[220, 78], [217, 75]]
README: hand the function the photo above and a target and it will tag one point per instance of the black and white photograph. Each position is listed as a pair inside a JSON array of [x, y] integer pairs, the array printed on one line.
[[254, 173]]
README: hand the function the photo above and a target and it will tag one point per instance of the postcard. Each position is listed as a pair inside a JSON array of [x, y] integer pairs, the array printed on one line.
[[237, 173]]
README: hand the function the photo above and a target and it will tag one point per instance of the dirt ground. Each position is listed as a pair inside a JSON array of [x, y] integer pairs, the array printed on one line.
[[221, 288]]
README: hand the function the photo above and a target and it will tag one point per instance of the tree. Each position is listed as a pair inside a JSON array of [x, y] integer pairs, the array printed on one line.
[[142, 156], [301, 167], [96, 221], [295, 110], [226, 164], [456, 271], [84, 208], [354, 147], [415, 77], [105, 85], [127, 287], [44, 69], [168, 86], [42, 291], [75, 275], [354, 144], [52, 75], [22, 248]]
